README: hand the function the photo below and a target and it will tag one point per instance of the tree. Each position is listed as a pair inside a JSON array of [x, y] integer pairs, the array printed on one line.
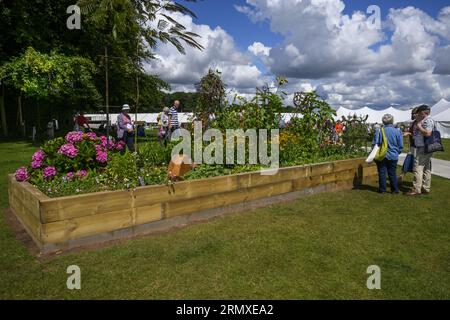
[[50, 76], [211, 91]]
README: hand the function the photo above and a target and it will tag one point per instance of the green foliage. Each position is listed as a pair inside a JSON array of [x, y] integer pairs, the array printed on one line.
[[154, 175], [121, 171], [357, 133], [153, 154], [44, 76], [261, 112], [188, 100], [211, 92], [208, 171], [61, 187], [310, 126]]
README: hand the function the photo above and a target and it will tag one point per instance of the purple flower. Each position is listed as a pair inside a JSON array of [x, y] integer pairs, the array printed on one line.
[[70, 175], [120, 145], [81, 174], [73, 137], [38, 156], [68, 150], [49, 172], [22, 174], [91, 135], [36, 164], [102, 156]]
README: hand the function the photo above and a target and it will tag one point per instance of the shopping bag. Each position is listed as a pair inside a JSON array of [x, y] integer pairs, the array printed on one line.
[[408, 165], [373, 154], [383, 148]]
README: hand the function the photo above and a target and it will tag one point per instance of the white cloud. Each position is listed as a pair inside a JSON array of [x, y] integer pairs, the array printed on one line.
[[220, 53], [352, 63], [258, 49]]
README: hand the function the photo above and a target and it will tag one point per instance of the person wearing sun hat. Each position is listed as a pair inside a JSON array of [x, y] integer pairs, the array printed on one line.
[[125, 128]]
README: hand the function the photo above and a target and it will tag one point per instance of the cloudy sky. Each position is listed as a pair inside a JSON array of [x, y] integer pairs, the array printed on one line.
[[333, 46]]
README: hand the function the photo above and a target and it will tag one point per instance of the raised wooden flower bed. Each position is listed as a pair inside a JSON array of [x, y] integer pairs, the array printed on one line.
[[69, 222]]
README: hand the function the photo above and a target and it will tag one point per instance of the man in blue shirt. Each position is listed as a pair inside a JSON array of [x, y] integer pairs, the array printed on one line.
[[173, 117], [395, 147]]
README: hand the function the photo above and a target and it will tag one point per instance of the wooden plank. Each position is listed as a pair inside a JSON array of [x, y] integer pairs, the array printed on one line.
[[348, 164], [174, 209], [254, 179], [321, 169], [28, 195], [62, 231], [148, 214], [65, 208], [28, 220], [347, 175], [184, 190], [370, 171]]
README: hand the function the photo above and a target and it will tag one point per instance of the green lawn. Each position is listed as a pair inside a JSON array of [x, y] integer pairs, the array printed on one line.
[[317, 247], [444, 155]]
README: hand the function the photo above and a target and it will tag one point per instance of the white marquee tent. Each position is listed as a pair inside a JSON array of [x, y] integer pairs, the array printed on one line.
[[440, 112]]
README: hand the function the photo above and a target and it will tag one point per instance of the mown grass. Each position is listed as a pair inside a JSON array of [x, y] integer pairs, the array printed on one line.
[[315, 248], [446, 154]]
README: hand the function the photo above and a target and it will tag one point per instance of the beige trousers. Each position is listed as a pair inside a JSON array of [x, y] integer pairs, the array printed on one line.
[[422, 171]]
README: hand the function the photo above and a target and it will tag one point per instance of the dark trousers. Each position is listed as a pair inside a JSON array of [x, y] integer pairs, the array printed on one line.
[[388, 168], [128, 138]]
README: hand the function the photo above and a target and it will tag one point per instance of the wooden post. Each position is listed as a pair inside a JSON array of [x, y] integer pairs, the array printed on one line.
[[107, 96], [136, 112], [19, 115], [2, 111]]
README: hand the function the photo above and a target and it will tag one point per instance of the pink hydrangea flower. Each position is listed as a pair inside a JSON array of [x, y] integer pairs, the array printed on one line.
[[68, 150], [49, 172], [120, 146], [22, 174], [70, 175], [81, 174], [36, 164], [74, 137], [91, 135], [102, 156], [103, 141], [98, 148], [38, 156]]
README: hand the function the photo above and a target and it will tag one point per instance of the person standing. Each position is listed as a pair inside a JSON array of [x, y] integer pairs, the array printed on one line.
[[422, 163], [163, 127], [388, 166], [81, 123], [125, 128], [174, 124], [409, 161]]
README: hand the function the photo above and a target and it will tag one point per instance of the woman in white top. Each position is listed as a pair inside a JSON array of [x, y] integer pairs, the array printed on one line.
[[163, 127]]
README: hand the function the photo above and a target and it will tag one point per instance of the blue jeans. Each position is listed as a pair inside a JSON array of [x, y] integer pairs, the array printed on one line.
[[388, 168]]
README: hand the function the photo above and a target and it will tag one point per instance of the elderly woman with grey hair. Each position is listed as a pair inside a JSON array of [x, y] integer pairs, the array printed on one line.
[[388, 166]]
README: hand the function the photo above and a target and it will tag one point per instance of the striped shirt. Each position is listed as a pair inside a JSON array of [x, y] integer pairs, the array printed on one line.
[[174, 118]]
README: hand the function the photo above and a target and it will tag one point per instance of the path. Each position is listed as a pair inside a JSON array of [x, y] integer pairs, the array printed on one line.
[[441, 168]]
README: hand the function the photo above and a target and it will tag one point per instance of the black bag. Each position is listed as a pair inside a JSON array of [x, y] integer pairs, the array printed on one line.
[[434, 143]]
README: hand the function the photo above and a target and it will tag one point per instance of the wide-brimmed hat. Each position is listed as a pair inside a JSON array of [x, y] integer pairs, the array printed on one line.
[[126, 107]]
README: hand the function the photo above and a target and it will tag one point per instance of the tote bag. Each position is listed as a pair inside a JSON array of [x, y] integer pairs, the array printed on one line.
[[434, 143], [373, 154], [383, 148]]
